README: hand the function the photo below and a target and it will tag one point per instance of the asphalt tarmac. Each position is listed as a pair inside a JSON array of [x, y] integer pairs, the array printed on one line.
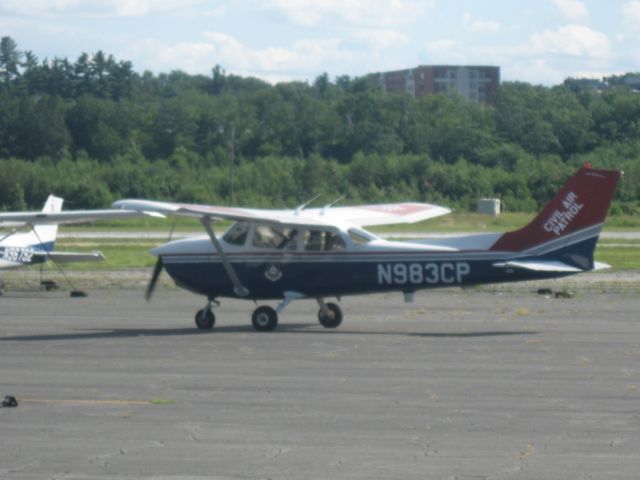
[[458, 385]]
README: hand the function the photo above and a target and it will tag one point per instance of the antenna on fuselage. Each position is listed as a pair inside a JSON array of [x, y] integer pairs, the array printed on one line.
[[329, 205], [304, 205]]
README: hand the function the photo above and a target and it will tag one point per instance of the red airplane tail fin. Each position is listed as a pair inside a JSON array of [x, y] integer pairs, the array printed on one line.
[[577, 211]]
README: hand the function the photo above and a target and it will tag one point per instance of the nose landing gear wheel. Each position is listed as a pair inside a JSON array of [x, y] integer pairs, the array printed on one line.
[[205, 319], [264, 319], [333, 317]]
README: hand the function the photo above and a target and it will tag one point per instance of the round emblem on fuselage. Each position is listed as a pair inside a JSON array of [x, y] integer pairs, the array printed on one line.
[[273, 273]]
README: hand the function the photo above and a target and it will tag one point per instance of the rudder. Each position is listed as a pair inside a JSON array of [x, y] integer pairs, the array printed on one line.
[[46, 234], [581, 205]]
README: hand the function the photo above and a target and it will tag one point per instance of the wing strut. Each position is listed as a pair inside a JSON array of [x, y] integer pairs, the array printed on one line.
[[49, 257], [238, 288], [12, 232]]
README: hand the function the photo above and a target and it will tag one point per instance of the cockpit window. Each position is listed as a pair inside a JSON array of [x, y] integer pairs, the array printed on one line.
[[291, 240], [269, 236], [321, 240], [360, 237], [313, 240], [237, 234], [333, 241]]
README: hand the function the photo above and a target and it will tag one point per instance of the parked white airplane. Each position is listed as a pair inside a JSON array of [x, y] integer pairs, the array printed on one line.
[[34, 246], [317, 253]]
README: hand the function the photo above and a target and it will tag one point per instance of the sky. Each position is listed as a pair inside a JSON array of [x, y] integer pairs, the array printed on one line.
[[541, 42]]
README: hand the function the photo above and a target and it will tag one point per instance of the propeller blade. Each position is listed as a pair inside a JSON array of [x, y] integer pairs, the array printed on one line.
[[173, 229], [157, 270]]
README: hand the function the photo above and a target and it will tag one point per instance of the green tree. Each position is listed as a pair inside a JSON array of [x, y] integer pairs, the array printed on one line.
[[521, 117], [40, 127], [10, 59]]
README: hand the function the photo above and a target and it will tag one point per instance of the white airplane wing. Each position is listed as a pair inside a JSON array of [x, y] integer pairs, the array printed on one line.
[[16, 219], [363, 215], [382, 214]]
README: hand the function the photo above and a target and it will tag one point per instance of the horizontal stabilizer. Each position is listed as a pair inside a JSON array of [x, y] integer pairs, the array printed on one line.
[[539, 266], [69, 257]]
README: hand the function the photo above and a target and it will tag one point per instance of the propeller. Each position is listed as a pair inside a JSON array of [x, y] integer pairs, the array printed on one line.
[[157, 270]]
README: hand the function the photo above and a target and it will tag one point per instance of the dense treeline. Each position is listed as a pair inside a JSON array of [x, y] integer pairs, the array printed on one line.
[[95, 130]]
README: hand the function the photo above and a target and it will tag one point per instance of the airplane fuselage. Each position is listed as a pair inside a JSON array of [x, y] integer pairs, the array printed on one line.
[[376, 267], [13, 256]]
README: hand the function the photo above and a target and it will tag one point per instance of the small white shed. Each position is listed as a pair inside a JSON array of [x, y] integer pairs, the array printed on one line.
[[489, 206]]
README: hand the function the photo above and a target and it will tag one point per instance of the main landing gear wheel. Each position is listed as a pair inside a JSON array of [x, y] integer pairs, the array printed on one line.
[[205, 319], [333, 317], [264, 319]]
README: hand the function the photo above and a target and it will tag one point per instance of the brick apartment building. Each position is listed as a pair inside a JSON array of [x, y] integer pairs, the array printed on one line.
[[475, 83]]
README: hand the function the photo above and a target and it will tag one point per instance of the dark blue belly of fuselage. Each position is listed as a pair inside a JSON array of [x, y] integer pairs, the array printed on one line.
[[346, 276]]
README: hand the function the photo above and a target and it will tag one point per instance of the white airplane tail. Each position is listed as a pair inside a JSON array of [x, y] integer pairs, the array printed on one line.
[[45, 235]]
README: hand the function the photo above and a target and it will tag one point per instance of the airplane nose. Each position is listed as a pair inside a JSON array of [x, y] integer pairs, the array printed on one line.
[[159, 250], [167, 248], [201, 245]]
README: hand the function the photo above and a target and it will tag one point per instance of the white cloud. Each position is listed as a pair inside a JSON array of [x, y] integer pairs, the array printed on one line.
[[380, 39], [596, 74], [380, 13], [93, 8], [304, 59], [220, 11], [546, 57], [573, 10], [573, 40], [534, 70], [631, 12], [37, 7], [445, 51], [480, 25]]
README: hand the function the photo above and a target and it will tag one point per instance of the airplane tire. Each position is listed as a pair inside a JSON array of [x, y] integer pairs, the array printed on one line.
[[205, 319], [334, 319], [264, 319]]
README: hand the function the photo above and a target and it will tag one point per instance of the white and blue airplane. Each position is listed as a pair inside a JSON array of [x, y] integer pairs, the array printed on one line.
[[317, 253], [28, 238]]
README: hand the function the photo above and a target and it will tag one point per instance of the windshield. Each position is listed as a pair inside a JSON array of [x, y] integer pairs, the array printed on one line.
[[360, 237], [237, 234]]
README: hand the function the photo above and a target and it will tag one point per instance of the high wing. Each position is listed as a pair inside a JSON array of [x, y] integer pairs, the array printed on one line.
[[362, 215], [382, 214], [18, 219]]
